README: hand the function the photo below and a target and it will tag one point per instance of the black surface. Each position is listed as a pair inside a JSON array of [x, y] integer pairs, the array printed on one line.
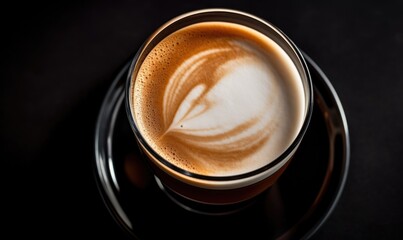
[[58, 60], [294, 208]]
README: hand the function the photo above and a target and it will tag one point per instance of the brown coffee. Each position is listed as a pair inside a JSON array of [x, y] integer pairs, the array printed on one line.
[[218, 99]]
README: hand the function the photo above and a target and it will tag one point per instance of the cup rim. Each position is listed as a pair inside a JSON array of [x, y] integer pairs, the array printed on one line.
[[282, 158]]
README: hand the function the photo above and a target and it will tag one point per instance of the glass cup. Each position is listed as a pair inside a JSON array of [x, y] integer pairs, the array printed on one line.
[[196, 191]]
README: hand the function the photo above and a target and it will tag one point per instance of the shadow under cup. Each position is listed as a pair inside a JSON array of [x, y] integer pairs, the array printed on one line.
[[191, 189]]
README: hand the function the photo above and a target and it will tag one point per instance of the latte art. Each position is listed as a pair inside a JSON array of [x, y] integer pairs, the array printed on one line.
[[219, 111], [214, 99]]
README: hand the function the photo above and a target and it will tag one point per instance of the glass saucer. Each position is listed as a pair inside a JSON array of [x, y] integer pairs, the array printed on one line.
[[294, 208]]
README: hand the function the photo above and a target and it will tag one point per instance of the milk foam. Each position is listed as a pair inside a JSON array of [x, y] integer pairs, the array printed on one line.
[[220, 105]]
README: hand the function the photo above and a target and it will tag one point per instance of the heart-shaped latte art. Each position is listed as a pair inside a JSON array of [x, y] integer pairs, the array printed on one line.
[[221, 102]]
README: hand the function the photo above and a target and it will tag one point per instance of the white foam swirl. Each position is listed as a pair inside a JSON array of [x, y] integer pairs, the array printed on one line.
[[233, 112]]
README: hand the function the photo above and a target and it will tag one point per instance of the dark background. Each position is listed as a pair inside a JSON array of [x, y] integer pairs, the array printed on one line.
[[58, 60]]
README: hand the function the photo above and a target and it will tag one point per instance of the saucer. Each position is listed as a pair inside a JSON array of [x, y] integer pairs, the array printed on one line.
[[294, 208]]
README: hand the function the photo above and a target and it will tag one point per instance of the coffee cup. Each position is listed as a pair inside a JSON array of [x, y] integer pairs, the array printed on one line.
[[218, 101]]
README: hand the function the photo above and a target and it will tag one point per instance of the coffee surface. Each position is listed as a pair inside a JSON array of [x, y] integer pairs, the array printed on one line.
[[218, 99]]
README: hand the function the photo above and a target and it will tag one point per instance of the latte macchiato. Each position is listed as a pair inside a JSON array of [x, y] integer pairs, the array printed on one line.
[[218, 98], [219, 101]]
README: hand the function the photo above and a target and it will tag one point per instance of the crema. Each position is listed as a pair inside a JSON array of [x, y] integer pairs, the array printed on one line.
[[218, 99]]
